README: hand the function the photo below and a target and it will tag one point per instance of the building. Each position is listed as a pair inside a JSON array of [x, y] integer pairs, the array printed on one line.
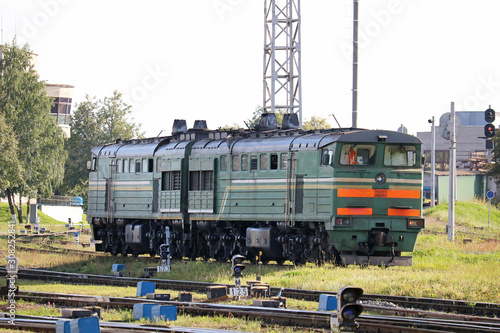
[[62, 94], [61, 109], [472, 154]]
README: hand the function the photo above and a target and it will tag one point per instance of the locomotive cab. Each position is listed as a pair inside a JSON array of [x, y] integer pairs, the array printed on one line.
[[378, 198]]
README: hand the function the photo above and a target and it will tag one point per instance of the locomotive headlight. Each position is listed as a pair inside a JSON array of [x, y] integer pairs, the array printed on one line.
[[380, 178], [342, 221], [416, 223]]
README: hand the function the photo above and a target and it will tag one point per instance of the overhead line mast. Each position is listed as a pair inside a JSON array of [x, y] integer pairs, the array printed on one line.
[[282, 73]]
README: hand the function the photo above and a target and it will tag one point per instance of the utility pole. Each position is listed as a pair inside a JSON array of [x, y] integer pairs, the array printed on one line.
[[282, 68], [453, 166], [355, 64], [433, 163]]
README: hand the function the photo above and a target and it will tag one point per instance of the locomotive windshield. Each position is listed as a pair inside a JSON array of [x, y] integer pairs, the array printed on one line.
[[400, 155], [357, 154]]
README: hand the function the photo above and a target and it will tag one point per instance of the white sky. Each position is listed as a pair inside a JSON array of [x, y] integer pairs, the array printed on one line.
[[190, 60]]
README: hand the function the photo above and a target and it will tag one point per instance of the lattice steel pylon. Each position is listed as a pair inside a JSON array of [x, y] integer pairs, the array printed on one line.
[[282, 78]]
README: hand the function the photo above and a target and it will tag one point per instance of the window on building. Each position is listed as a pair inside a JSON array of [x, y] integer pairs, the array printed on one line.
[[61, 109]]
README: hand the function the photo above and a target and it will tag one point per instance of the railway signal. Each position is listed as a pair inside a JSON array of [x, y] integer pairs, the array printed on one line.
[[165, 253], [489, 128], [237, 267], [348, 309]]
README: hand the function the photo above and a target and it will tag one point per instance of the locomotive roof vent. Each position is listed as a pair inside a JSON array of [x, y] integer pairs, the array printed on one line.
[[267, 122], [290, 121], [200, 124], [382, 138], [179, 126]]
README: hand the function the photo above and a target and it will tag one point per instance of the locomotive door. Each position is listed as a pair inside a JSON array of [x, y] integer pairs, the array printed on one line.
[[109, 204], [290, 189]]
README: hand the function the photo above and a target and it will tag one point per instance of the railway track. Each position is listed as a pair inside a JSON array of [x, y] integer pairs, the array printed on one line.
[[394, 320], [451, 306], [48, 324]]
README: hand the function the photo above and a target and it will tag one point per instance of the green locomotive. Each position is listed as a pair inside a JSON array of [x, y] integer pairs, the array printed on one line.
[[340, 195]]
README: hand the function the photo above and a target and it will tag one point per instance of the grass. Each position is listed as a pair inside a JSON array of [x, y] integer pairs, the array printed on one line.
[[466, 269]]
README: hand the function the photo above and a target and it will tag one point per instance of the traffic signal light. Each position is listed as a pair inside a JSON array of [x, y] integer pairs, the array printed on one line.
[[489, 115], [237, 265], [489, 130], [348, 307]]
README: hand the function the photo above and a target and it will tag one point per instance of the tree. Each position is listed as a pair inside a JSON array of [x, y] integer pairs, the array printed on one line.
[[25, 107], [316, 123], [252, 122], [494, 167], [10, 168], [94, 123]]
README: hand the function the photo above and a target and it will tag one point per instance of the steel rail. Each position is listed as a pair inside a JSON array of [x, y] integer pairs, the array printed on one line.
[[423, 303], [49, 324], [286, 317]]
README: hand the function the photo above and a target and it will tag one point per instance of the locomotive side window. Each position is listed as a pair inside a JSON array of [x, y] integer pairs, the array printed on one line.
[[125, 165], [137, 166], [357, 154], [253, 163], [93, 165], [119, 165], [171, 181], [284, 161], [207, 178], [263, 161], [201, 180], [158, 164], [274, 161], [151, 165], [132, 165], [400, 155], [236, 162], [244, 162], [223, 163], [326, 157]]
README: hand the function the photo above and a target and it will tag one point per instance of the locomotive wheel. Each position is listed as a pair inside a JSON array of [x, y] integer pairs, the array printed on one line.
[[280, 262], [299, 262], [114, 250]]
